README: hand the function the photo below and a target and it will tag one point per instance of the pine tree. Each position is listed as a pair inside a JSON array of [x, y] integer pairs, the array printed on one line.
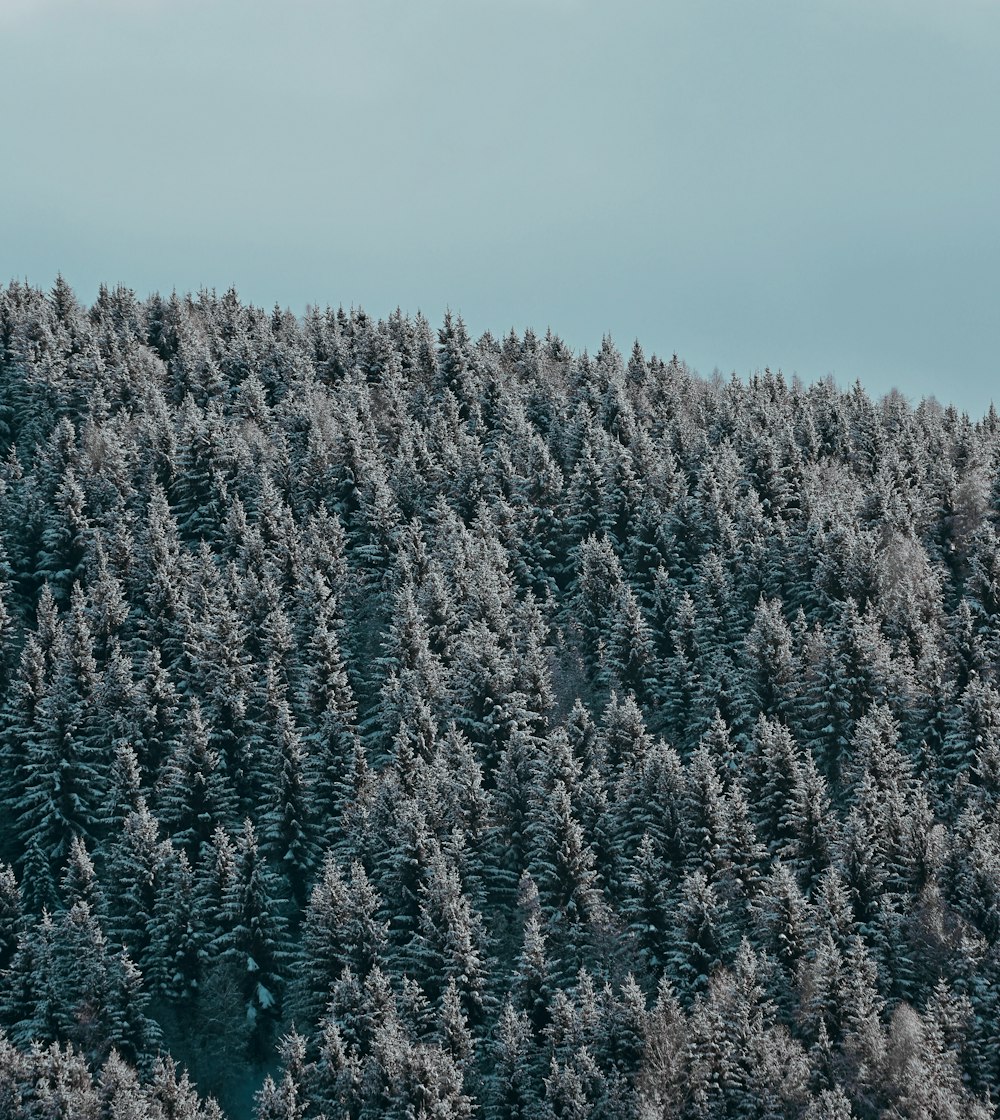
[[569, 889], [645, 905], [341, 928], [335, 1079], [61, 560], [252, 942], [770, 661], [662, 1080], [289, 1099], [136, 861], [512, 1093], [205, 467], [630, 652], [600, 585], [61, 781], [165, 618], [699, 937], [450, 943], [79, 880], [10, 915], [328, 710], [195, 795], [289, 811], [177, 934], [21, 725]]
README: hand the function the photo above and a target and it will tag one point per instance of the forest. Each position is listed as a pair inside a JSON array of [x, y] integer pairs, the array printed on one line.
[[396, 725]]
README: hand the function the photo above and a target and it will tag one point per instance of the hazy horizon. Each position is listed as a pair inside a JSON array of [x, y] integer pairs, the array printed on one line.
[[806, 190]]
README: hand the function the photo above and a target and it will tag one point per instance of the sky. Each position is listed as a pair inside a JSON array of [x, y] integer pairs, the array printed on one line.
[[806, 186]]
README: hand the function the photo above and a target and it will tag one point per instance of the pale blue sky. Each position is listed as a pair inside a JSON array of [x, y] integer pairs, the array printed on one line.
[[812, 185]]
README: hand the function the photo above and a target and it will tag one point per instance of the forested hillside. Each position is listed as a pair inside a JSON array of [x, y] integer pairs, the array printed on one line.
[[401, 725]]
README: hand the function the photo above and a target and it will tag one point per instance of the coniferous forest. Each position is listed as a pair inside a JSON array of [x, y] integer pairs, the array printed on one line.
[[401, 725]]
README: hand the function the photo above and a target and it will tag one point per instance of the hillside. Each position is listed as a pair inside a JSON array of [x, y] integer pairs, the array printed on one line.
[[414, 726]]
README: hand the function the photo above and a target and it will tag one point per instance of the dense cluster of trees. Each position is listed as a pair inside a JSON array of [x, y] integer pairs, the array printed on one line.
[[401, 725]]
